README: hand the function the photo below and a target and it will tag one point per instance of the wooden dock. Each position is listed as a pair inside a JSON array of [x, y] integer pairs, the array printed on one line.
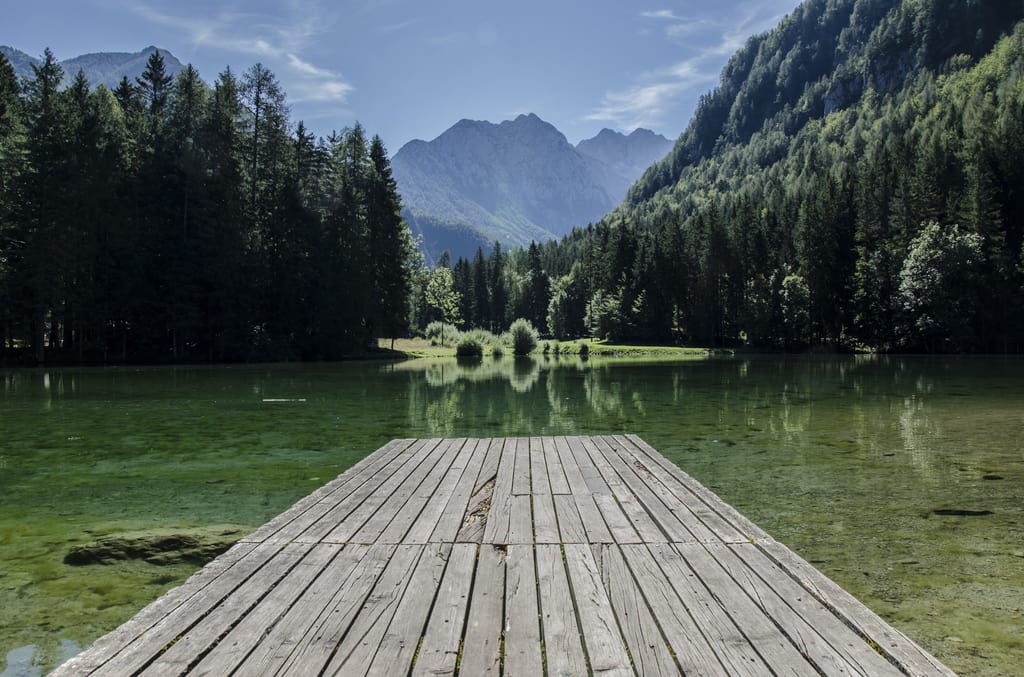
[[517, 556]]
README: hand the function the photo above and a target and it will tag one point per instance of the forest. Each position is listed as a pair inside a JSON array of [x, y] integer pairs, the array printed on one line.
[[172, 221], [856, 181]]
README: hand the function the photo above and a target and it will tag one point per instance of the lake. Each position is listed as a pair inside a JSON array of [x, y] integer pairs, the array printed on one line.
[[900, 478]]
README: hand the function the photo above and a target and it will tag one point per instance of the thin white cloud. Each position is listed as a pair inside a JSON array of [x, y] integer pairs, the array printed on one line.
[[655, 95], [394, 28], [278, 40]]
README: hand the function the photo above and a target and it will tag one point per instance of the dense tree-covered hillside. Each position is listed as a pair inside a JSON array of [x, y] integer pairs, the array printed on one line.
[[855, 180], [171, 220]]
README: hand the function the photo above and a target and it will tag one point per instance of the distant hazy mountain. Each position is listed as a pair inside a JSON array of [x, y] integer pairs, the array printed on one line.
[[105, 68], [516, 181]]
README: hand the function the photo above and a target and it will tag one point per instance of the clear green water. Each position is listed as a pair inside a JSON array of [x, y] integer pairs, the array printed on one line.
[[842, 459]]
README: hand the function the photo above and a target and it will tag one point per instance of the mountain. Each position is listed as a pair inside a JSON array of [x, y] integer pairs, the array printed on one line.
[[106, 68], [853, 181], [514, 182]]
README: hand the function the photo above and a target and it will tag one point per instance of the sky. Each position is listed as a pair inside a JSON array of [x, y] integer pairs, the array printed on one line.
[[409, 69]]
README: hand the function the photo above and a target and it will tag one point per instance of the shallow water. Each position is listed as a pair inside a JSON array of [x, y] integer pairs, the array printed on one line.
[[846, 460]]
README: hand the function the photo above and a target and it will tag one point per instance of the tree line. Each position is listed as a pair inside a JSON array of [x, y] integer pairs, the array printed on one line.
[[169, 220]]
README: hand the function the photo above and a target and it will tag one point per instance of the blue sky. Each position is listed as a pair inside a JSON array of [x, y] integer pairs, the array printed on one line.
[[410, 69]]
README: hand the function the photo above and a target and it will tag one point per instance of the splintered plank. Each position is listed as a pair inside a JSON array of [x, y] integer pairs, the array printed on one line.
[[680, 627], [482, 652], [597, 619], [314, 647], [397, 647], [308, 510], [496, 527], [455, 513], [699, 511], [553, 460], [522, 626], [439, 652], [562, 646], [805, 621], [649, 650]]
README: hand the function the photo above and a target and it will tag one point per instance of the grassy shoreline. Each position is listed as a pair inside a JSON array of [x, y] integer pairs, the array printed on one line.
[[417, 348]]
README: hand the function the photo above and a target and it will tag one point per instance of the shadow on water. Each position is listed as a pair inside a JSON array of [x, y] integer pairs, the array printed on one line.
[[899, 477]]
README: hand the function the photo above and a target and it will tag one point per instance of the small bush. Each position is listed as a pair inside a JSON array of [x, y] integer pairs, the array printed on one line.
[[545, 348], [556, 347], [497, 350], [441, 333], [469, 346], [524, 337], [584, 349]]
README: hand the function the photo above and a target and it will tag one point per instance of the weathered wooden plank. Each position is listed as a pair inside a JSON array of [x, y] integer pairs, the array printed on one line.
[[656, 507], [520, 525], [142, 648], [432, 495], [198, 639], [397, 647], [573, 475], [562, 646], [539, 483], [553, 460], [601, 636], [343, 573], [595, 484], [521, 472], [817, 633], [345, 518], [906, 653], [593, 523], [522, 625], [570, 526], [489, 469], [246, 635], [454, 515], [395, 514], [748, 529], [619, 526], [688, 632], [440, 649], [484, 620], [313, 649], [649, 651], [499, 514], [758, 629], [357, 647], [699, 510], [115, 641], [545, 522], [311, 508], [647, 529]]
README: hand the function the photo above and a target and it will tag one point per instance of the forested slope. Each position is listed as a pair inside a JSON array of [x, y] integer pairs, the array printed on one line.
[[854, 180]]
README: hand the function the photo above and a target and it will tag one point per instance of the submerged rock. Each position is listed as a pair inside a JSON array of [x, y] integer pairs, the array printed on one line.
[[961, 513], [160, 546]]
